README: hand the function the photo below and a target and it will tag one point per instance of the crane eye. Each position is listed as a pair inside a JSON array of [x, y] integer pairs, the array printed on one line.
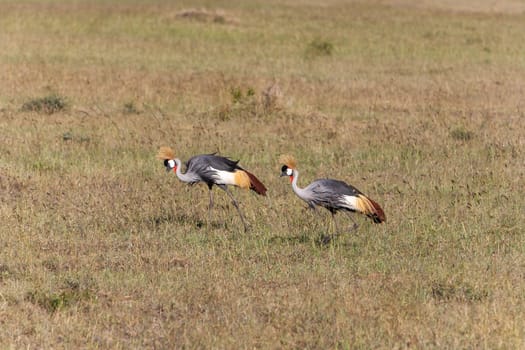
[[169, 163]]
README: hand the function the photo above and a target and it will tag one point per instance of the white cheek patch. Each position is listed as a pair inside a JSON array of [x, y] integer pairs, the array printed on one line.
[[171, 163], [289, 172]]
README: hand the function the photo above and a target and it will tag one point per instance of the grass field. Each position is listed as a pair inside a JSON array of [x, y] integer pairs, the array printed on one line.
[[421, 106]]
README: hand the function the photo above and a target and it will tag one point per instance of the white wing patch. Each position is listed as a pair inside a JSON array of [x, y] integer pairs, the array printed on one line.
[[351, 201], [224, 177]]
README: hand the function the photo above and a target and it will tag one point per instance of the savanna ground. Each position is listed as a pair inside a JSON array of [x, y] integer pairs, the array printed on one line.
[[418, 105]]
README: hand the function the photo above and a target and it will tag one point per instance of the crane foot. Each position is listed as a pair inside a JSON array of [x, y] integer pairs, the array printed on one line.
[[326, 239]]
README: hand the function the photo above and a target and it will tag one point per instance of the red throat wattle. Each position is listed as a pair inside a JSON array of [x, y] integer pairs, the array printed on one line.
[[291, 178], [175, 169]]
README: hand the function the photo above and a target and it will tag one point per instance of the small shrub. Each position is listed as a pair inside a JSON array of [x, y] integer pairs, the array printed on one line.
[[271, 98], [204, 15], [319, 47], [449, 292], [51, 302], [44, 165], [48, 104], [219, 19], [68, 136], [5, 272], [236, 94], [51, 264], [225, 113], [461, 134], [247, 103], [243, 104], [72, 293], [130, 108], [239, 97]]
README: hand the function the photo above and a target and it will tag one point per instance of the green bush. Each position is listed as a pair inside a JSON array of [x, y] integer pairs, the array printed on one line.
[[49, 104]]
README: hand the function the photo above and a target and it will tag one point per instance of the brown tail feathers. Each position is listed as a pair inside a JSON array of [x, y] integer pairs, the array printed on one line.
[[371, 209], [255, 184]]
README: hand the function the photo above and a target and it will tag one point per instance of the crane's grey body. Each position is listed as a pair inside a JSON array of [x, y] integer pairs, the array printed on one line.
[[206, 168], [328, 193], [331, 194]]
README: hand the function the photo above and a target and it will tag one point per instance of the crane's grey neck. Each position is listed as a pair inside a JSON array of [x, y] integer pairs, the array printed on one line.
[[300, 192], [182, 177]]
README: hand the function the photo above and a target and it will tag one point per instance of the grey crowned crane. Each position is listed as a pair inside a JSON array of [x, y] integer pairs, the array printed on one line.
[[213, 170], [333, 195]]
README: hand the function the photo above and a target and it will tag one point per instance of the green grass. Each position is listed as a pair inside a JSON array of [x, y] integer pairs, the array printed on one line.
[[418, 106]]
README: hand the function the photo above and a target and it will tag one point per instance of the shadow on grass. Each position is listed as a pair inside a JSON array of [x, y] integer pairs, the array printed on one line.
[[303, 237], [320, 240], [172, 218]]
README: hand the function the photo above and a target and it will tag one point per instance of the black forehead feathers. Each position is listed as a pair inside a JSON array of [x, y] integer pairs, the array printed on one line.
[[284, 168], [166, 162]]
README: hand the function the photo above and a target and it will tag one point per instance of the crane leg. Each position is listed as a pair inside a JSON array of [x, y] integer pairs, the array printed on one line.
[[335, 223], [314, 209], [336, 232], [328, 237], [210, 208], [355, 225], [236, 206]]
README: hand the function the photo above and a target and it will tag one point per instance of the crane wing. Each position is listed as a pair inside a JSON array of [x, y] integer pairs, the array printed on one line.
[[337, 194], [198, 167], [214, 169], [332, 187]]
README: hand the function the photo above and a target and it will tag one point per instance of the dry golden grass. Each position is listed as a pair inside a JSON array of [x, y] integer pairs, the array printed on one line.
[[419, 107]]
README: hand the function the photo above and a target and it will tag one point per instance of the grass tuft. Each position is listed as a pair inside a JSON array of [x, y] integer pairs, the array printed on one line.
[[461, 134], [204, 15], [450, 292], [319, 47], [69, 136], [5, 272], [130, 108], [49, 104], [247, 104], [72, 292]]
